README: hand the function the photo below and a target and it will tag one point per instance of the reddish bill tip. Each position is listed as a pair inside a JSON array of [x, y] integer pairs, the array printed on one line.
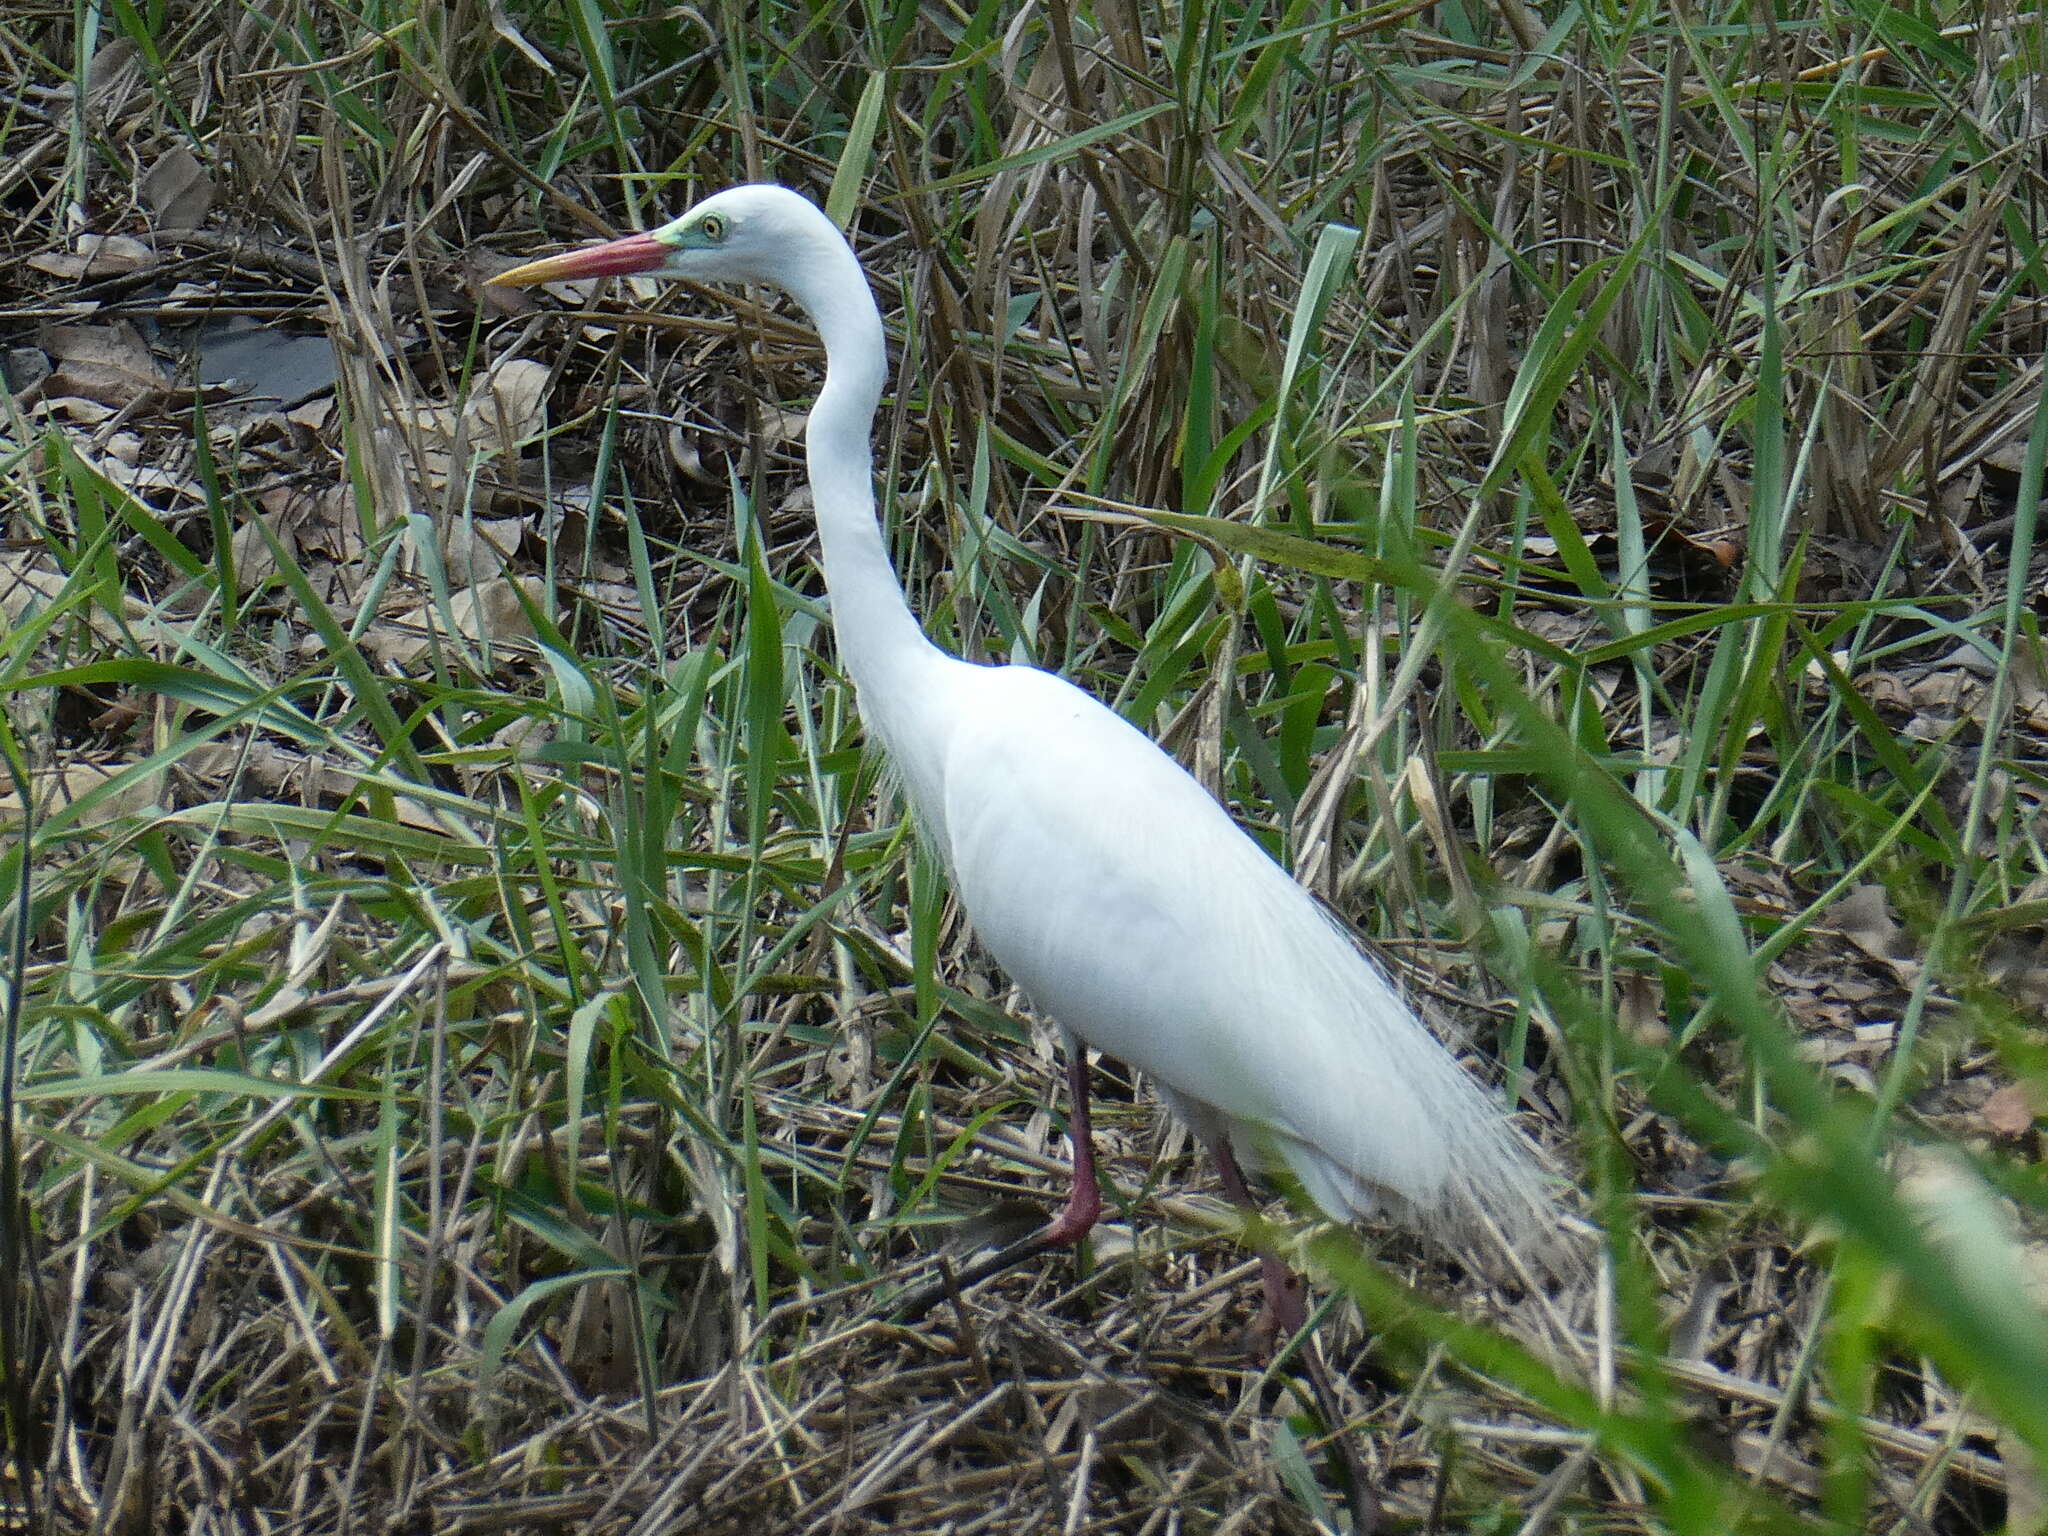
[[615, 258]]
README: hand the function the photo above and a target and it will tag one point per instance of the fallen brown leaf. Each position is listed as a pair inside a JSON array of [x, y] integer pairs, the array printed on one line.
[[96, 256], [1642, 1010], [178, 189], [57, 788], [490, 614], [477, 549], [2011, 1110], [1864, 918], [108, 363], [511, 405]]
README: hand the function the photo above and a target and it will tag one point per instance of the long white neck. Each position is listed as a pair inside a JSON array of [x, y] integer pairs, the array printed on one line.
[[880, 641]]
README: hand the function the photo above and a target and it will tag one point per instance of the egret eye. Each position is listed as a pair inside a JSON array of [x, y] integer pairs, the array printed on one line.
[[712, 226]]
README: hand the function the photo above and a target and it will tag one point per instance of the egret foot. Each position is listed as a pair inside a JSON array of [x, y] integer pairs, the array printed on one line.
[[1074, 1222], [1283, 1313]]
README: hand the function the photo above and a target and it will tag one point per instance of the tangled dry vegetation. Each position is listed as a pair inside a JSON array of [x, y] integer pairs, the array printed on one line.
[[488, 1049]]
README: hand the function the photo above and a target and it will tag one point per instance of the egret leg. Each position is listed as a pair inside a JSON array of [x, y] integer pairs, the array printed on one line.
[[1082, 1210], [1286, 1312], [1084, 1197], [1286, 1309]]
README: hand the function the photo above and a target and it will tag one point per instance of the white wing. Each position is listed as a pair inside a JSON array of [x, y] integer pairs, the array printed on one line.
[[1130, 908]]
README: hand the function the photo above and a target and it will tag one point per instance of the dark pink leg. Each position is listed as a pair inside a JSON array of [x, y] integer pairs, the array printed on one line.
[[1082, 1210], [1286, 1310], [1084, 1197]]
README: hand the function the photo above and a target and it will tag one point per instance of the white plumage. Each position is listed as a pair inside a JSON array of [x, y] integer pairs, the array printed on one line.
[[1128, 906], [1109, 886]]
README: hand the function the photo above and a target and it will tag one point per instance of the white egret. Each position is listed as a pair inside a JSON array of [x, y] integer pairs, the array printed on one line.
[[1114, 891]]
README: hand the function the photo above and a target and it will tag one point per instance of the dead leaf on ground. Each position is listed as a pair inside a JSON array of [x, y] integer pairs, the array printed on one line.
[[96, 256], [124, 471], [2012, 1109], [26, 586], [313, 415], [319, 516], [1642, 1010], [272, 769], [525, 736], [255, 560], [479, 548], [108, 363], [1864, 918], [57, 788], [491, 614], [1886, 692], [510, 404], [178, 189], [71, 408]]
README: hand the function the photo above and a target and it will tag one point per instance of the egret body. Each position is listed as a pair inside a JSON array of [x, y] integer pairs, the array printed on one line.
[[1106, 882]]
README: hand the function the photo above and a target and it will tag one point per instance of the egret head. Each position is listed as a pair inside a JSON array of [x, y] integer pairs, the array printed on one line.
[[750, 234]]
